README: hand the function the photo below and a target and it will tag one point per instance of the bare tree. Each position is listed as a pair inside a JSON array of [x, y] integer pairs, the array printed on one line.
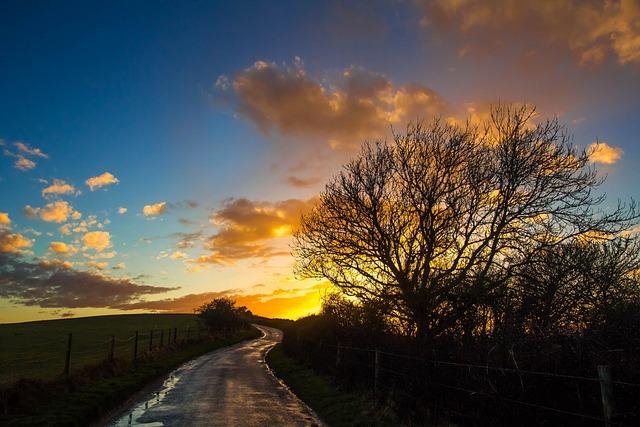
[[435, 221]]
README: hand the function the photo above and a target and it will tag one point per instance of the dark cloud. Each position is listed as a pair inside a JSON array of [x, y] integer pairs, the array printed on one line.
[[183, 304], [50, 285]]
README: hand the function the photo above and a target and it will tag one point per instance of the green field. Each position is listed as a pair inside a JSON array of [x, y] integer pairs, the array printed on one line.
[[37, 349]]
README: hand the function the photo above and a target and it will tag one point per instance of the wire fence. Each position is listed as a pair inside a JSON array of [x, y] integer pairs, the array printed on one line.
[[66, 353], [408, 376]]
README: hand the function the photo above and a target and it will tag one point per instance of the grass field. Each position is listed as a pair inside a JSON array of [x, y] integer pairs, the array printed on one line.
[[37, 350]]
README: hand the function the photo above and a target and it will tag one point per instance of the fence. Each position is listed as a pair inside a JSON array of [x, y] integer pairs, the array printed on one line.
[[62, 354], [400, 374]]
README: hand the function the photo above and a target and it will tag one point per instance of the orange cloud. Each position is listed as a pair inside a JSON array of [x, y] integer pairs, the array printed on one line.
[[178, 255], [154, 209], [97, 265], [13, 243], [601, 152], [58, 187], [244, 227], [97, 240], [591, 30], [362, 104], [55, 263], [102, 255], [62, 248], [58, 211], [5, 221], [24, 164], [101, 180], [122, 210], [33, 151]]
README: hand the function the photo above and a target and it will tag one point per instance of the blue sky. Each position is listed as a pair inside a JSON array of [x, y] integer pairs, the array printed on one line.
[[135, 89]]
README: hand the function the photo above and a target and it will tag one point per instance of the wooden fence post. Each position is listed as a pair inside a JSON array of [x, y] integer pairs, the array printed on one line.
[[339, 355], [188, 332], [376, 373], [175, 335], [135, 348], [606, 391], [151, 340], [161, 338], [67, 359], [112, 347]]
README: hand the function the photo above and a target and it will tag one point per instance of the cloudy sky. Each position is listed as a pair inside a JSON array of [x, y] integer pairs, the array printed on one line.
[[155, 155]]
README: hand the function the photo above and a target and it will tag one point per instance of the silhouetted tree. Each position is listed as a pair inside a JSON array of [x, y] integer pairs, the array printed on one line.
[[438, 221], [221, 314], [567, 287]]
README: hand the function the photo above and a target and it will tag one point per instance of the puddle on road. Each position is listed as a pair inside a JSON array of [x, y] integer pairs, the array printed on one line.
[[132, 417]]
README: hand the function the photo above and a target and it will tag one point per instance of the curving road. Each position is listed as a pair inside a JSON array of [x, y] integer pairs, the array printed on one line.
[[231, 386]]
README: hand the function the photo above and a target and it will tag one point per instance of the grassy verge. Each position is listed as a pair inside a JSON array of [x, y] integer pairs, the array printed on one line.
[[90, 394], [336, 407]]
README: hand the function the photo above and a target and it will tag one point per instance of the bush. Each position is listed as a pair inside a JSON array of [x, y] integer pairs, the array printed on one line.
[[222, 315]]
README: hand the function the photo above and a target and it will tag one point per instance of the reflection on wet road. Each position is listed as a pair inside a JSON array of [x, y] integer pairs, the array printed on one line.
[[228, 387]]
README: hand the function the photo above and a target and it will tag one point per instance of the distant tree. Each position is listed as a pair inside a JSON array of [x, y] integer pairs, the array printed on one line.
[[221, 314], [438, 221]]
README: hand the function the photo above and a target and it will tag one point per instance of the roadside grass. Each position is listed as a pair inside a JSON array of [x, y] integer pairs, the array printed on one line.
[[334, 406], [37, 350], [92, 392]]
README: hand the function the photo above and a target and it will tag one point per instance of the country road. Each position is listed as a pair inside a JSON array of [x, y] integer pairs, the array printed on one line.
[[231, 386]]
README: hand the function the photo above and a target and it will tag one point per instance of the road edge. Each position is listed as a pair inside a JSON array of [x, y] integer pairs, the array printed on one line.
[[309, 409]]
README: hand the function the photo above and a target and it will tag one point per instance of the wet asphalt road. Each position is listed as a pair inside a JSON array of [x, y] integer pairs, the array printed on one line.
[[231, 386]]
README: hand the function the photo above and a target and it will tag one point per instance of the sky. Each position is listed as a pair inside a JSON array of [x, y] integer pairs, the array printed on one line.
[[156, 155]]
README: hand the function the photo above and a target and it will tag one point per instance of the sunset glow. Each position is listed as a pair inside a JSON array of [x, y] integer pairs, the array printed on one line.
[[154, 156]]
